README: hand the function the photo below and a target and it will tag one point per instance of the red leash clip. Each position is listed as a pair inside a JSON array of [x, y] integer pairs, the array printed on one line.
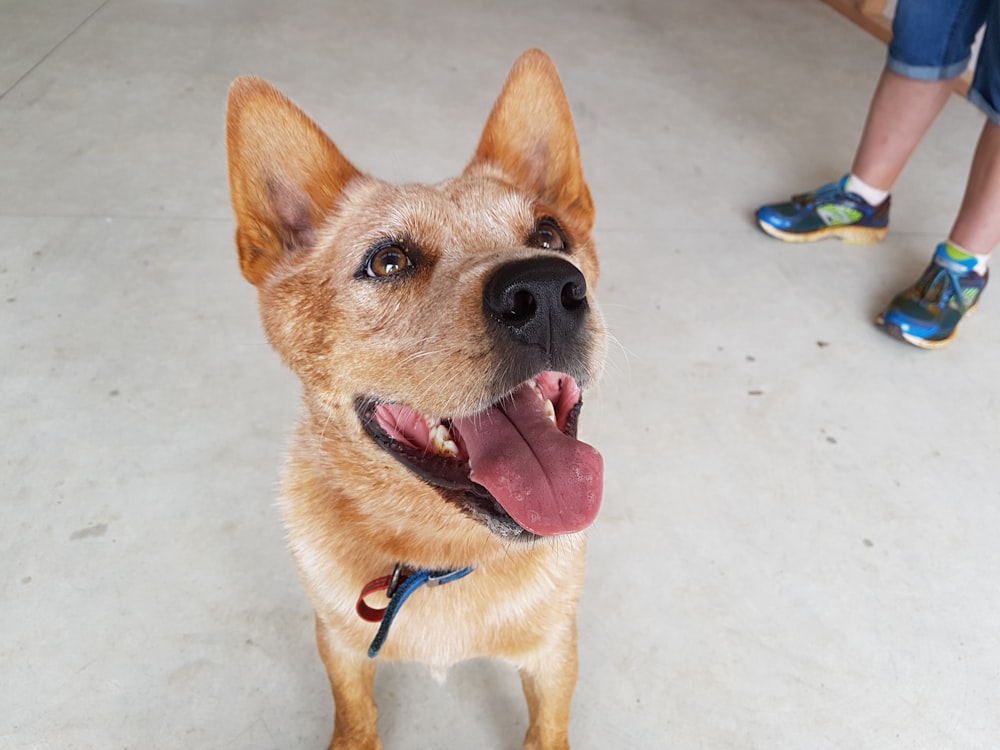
[[388, 584]]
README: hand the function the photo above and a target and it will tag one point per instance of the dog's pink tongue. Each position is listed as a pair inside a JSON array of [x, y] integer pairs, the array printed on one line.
[[547, 481]]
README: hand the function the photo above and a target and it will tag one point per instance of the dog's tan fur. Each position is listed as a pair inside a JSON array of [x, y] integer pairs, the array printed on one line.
[[306, 218]]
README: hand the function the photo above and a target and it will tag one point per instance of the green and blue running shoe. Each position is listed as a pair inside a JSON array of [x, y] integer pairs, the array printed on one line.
[[829, 211], [927, 314]]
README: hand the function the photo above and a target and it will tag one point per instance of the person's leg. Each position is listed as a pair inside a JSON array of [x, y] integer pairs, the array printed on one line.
[[928, 313], [977, 226], [931, 45], [902, 110]]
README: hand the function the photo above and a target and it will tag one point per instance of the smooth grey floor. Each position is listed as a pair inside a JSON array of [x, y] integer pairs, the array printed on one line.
[[799, 546]]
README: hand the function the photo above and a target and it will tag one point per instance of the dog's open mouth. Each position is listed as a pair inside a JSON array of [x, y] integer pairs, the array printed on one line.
[[517, 465]]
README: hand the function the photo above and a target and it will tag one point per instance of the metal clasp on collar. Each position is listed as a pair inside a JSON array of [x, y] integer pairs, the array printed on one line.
[[394, 580], [441, 577]]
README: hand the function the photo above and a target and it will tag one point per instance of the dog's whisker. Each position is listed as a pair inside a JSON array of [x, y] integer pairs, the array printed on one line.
[[327, 404]]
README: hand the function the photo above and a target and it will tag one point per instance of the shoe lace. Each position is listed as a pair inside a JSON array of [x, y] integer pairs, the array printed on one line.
[[822, 194], [939, 286]]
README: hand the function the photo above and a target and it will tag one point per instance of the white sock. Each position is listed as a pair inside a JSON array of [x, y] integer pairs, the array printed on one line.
[[970, 261], [873, 195]]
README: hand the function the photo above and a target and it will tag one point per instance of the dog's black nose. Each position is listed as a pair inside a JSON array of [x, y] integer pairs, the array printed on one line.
[[540, 302]]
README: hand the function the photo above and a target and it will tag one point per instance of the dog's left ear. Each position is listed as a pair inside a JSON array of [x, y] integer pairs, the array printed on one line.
[[530, 137]]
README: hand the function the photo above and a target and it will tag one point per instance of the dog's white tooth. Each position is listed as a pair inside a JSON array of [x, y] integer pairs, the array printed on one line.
[[550, 411], [432, 422], [442, 442]]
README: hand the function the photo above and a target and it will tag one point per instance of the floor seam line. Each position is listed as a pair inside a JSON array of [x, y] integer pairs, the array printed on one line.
[[48, 54]]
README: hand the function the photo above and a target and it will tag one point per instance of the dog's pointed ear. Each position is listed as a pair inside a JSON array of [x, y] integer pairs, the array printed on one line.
[[285, 175], [530, 138]]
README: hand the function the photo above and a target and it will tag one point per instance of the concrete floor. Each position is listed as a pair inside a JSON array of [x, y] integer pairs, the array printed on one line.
[[798, 547]]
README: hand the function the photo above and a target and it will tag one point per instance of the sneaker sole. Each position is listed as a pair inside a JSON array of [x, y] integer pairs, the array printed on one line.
[[897, 333], [850, 234]]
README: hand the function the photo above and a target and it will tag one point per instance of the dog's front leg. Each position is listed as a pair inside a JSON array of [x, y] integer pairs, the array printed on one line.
[[352, 680], [548, 685]]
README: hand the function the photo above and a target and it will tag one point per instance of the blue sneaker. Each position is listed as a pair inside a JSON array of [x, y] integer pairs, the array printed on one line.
[[927, 314], [829, 211]]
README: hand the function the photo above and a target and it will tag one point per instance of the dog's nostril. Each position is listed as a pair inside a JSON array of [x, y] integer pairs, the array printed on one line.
[[523, 307], [573, 295]]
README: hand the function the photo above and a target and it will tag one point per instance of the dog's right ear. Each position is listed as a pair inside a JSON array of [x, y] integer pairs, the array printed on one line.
[[285, 175]]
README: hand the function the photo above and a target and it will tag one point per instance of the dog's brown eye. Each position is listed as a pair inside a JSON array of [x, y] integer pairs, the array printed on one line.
[[548, 236], [387, 261]]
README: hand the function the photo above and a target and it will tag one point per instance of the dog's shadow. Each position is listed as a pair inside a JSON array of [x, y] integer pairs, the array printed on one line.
[[480, 700]]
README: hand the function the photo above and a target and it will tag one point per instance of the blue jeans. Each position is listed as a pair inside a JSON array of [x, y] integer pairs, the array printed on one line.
[[932, 41]]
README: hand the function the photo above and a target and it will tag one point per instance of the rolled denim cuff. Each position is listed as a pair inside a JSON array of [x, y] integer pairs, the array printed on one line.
[[988, 109], [927, 72]]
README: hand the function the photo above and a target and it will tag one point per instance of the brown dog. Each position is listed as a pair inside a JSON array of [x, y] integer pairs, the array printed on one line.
[[443, 335]]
